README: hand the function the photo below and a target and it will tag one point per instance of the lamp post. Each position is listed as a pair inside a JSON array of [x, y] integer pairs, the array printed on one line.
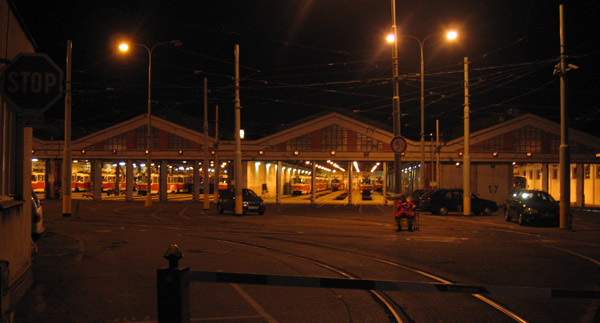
[[451, 36], [125, 47], [396, 100]]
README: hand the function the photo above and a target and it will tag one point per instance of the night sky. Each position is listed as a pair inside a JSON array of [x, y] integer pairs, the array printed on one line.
[[304, 58]]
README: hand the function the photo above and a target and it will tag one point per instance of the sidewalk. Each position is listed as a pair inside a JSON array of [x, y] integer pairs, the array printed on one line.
[[43, 302]]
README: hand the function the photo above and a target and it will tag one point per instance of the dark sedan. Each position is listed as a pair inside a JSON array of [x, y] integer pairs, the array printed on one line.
[[442, 201], [251, 202], [531, 206]]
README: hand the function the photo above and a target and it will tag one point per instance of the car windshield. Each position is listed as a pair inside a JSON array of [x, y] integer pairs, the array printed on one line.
[[250, 193], [537, 196]]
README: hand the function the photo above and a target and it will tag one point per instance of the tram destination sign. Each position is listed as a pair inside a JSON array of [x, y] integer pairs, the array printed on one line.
[[32, 83]]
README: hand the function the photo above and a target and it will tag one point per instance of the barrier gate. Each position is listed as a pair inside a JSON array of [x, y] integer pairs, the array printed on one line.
[[174, 298]]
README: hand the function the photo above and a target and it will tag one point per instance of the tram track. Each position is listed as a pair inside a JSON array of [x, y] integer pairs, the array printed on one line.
[[180, 214], [389, 305], [393, 310]]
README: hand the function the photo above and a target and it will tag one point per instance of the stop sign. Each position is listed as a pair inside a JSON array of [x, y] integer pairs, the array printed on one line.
[[32, 82]]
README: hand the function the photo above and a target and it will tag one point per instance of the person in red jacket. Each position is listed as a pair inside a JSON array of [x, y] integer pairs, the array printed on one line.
[[404, 210]]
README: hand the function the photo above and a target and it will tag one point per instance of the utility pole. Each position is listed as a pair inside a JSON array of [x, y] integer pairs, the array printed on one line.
[[466, 154], [437, 154], [67, 166], [205, 175], [238, 141], [216, 147], [565, 155], [396, 104]]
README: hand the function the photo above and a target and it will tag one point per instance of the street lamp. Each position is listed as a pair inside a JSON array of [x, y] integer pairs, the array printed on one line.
[[124, 46], [396, 100], [451, 35]]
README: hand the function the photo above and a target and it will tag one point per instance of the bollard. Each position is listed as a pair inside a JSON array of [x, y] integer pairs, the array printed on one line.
[[173, 289]]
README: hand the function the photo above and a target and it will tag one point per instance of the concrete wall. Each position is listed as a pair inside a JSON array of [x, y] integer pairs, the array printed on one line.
[[15, 190]]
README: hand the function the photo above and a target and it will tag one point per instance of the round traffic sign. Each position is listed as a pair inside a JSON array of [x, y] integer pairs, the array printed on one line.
[[398, 144], [32, 82]]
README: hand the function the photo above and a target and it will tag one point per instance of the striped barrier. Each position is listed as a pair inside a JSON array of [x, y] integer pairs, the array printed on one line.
[[385, 285]]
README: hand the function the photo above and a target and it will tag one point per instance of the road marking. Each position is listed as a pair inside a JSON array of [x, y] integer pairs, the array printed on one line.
[[594, 261], [182, 211], [154, 214], [254, 304]]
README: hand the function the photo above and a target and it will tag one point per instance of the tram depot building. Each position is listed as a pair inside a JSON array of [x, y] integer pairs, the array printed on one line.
[[323, 148]]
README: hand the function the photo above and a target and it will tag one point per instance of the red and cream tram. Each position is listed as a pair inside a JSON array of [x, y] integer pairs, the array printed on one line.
[[302, 184], [142, 184], [378, 184], [177, 183], [38, 182], [80, 182], [366, 185], [109, 180], [336, 184]]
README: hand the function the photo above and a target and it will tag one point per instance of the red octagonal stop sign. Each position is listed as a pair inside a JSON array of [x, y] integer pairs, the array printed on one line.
[[32, 82]]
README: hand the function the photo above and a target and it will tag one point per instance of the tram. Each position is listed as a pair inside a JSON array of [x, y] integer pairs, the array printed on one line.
[[80, 182], [142, 185], [302, 184], [223, 183], [336, 184], [378, 185], [177, 183], [38, 182], [109, 180]]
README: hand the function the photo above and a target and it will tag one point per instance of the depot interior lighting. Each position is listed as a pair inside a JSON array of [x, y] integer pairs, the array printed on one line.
[[356, 166]]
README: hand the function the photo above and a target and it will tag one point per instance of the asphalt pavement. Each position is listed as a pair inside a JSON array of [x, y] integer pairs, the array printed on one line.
[[54, 287]]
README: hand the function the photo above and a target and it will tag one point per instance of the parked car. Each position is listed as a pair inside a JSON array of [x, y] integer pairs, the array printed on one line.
[[416, 196], [37, 218], [531, 206], [442, 201], [251, 202]]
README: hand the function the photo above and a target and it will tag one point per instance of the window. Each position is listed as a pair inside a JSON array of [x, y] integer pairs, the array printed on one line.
[[574, 172], [586, 171], [554, 173], [302, 143], [334, 137]]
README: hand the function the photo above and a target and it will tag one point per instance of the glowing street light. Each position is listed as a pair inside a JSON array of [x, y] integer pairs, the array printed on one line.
[[451, 35], [124, 47]]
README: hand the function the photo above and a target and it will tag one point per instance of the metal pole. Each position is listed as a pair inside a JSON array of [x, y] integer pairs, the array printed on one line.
[[217, 166], [238, 142], [313, 184], [565, 155], [396, 103], [466, 155], [67, 166], [437, 154], [148, 201], [206, 163], [422, 174]]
